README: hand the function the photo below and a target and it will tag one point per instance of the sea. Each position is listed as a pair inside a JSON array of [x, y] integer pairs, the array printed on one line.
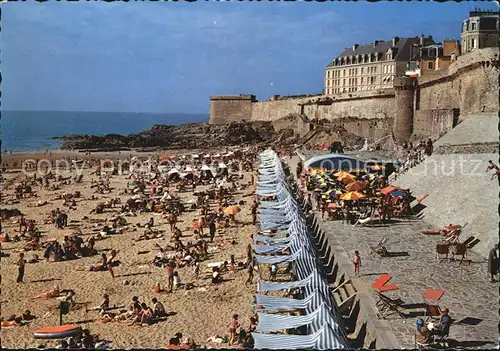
[[24, 131]]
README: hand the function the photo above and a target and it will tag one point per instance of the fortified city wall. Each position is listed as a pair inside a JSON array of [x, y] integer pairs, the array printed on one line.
[[418, 108]]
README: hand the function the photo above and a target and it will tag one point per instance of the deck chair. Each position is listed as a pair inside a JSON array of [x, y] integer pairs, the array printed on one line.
[[432, 312], [363, 221], [460, 250], [379, 248], [442, 249], [472, 244], [387, 306]]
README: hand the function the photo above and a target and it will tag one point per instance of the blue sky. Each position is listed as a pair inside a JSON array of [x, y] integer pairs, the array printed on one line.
[[170, 57]]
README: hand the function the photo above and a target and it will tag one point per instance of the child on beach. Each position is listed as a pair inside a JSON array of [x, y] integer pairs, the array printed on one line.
[[357, 263], [21, 264]]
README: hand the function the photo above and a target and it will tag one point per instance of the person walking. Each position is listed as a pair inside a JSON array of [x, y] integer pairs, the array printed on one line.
[[357, 263], [21, 264], [250, 272], [493, 263], [212, 228], [254, 213]]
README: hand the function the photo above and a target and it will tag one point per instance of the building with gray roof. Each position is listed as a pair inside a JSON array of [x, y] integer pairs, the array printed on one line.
[[371, 66]]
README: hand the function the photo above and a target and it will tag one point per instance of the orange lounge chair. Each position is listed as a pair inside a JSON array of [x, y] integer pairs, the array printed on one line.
[[381, 281]]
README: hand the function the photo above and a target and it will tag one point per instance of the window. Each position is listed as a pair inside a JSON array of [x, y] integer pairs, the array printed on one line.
[[343, 83], [430, 65], [474, 44], [362, 80], [362, 70], [473, 26]]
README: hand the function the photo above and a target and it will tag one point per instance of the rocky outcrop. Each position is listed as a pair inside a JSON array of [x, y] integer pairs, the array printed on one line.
[[187, 136], [205, 136]]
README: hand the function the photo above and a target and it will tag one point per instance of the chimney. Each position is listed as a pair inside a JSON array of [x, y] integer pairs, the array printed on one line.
[[354, 47], [421, 40], [395, 41], [375, 43]]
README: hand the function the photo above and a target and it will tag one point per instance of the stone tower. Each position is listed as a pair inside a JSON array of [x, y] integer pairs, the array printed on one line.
[[403, 121]]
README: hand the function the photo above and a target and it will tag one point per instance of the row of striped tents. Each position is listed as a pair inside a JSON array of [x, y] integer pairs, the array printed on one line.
[[285, 239]]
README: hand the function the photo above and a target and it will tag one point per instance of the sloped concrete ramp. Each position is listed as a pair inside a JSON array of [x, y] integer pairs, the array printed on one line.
[[460, 191], [476, 131]]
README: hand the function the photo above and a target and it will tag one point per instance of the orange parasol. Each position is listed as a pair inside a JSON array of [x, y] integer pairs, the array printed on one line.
[[164, 157], [353, 195], [232, 210], [389, 189], [356, 186]]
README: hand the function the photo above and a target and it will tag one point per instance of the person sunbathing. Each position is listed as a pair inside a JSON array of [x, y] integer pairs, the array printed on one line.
[[49, 294]]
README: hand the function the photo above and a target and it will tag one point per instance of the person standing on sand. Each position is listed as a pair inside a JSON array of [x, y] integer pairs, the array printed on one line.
[[250, 272], [21, 264], [493, 263], [357, 263], [110, 262], [212, 228], [233, 326]]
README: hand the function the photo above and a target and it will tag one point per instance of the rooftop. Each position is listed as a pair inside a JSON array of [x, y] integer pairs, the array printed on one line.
[[402, 48]]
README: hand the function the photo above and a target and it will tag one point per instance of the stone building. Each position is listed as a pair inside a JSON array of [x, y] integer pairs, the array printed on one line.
[[433, 58], [480, 30], [372, 66]]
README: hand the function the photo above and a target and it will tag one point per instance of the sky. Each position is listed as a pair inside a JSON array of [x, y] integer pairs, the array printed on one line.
[[169, 57]]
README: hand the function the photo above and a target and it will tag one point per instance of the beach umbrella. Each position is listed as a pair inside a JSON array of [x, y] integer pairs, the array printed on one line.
[[188, 169], [173, 170], [341, 173], [164, 157], [222, 165], [232, 210], [377, 168], [205, 168], [353, 195], [389, 189], [216, 155], [398, 193], [195, 156], [355, 186], [173, 156], [206, 156]]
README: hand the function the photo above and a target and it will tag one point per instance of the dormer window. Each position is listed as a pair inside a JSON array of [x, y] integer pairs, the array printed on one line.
[[473, 26]]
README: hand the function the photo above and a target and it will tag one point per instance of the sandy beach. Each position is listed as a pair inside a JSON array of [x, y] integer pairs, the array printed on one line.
[[199, 313]]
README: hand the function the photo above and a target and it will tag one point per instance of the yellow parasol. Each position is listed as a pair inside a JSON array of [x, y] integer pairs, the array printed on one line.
[[355, 186], [377, 168], [232, 210], [353, 195]]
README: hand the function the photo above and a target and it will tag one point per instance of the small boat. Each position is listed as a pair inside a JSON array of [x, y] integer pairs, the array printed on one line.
[[59, 332]]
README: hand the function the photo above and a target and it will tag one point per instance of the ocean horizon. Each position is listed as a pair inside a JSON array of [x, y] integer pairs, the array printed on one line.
[[25, 131]]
